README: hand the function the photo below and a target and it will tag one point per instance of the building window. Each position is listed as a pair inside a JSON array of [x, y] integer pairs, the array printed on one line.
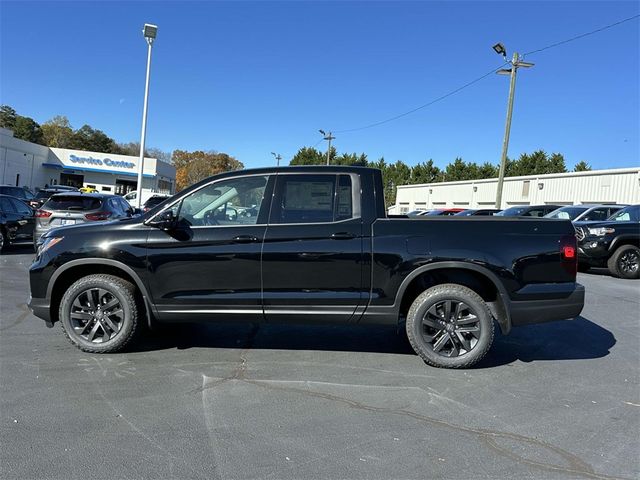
[[525, 188]]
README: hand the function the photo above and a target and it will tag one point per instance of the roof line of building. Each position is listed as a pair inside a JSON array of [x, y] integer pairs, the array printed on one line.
[[529, 177]]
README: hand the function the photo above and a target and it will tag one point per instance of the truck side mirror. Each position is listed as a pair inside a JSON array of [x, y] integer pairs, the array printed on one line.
[[164, 221]]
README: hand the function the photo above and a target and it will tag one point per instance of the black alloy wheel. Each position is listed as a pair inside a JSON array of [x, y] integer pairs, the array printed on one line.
[[450, 326], [99, 313], [625, 262], [96, 315]]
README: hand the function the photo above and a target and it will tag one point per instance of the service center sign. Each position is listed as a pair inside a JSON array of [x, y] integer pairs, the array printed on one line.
[[98, 162]]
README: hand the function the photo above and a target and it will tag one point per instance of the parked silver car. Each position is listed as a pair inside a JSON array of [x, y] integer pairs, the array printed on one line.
[[585, 213], [75, 207]]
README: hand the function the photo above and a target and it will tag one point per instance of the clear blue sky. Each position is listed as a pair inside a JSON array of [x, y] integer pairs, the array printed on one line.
[[249, 78]]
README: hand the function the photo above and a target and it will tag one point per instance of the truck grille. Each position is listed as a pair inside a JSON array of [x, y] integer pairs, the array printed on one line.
[[579, 233]]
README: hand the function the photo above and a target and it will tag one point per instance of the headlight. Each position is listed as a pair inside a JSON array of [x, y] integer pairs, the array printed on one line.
[[48, 243], [601, 232]]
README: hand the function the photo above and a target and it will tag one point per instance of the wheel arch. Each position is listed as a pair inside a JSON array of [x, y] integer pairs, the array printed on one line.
[[478, 278], [71, 271], [622, 240]]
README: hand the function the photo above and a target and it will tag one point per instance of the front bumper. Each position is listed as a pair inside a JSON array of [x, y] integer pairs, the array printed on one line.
[[40, 307], [550, 303]]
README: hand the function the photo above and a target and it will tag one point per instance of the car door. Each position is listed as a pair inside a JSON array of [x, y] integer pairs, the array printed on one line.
[[8, 217], [312, 257], [209, 264], [25, 220]]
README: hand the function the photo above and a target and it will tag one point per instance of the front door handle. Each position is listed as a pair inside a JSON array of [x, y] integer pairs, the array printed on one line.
[[244, 239], [342, 236]]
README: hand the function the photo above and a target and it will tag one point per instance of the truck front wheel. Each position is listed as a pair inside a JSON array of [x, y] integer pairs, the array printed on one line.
[[625, 262], [450, 326]]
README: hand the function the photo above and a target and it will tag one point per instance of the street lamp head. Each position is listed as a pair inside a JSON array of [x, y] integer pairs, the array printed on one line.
[[322, 132], [500, 50], [150, 31]]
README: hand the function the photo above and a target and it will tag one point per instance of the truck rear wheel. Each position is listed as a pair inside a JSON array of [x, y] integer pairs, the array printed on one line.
[[450, 326], [99, 313], [625, 262]]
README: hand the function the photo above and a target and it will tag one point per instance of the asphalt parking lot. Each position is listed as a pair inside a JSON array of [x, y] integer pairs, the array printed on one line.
[[558, 400]]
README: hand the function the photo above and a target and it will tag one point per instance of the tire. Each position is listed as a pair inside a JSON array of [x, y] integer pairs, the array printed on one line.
[[4, 241], [106, 330], [625, 262], [458, 343]]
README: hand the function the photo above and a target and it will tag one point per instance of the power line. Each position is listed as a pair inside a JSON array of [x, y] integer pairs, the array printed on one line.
[[557, 44], [453, 92], [468, 84]]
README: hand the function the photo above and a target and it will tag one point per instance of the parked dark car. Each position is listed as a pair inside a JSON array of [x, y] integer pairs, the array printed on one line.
[[72, 208], [614, 244], [320, 250], [16, 220], [19, 192], [528, 211], [470, 212], [153, 201]]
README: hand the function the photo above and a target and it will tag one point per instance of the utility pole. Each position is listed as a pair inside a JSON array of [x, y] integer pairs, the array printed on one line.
[[327, 136], [516, 62], [278, 157]]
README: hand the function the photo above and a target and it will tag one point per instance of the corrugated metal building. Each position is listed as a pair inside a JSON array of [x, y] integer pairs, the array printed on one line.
[[620, 185]]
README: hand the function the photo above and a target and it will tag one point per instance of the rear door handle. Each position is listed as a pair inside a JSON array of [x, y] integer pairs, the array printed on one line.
[[244, 239], [342, 236]]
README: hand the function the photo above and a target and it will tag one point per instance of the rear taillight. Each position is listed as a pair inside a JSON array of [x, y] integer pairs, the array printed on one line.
[[42, 214], [97, 216], [569, 254]]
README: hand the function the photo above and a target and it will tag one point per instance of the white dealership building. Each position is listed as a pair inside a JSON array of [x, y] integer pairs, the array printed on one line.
[[619, 185], [27, 164]]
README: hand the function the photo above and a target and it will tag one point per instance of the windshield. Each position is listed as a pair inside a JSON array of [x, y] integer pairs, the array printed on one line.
[[465, 213], [568, 213], [627, 214], [72, 202]]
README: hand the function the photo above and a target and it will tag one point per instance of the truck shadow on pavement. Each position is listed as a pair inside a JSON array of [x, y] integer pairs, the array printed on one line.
[[577, 339], [564, 340]]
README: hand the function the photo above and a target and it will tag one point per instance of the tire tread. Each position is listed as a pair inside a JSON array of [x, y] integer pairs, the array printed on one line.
[[447, 287]]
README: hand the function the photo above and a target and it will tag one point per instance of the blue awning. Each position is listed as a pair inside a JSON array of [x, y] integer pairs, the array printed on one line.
[[53, 165]]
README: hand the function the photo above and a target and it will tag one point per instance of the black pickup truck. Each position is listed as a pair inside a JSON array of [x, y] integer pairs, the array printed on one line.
[[306, 244]]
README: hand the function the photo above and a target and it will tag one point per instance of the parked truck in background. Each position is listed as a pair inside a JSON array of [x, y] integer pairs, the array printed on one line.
[[317, 248]]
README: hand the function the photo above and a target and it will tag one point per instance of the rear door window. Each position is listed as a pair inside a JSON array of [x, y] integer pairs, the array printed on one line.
[[21, 207], [6, 206], [73, 202]]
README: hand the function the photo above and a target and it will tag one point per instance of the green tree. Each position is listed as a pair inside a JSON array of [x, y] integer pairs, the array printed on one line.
[[487, 170], [8, 117], [351, 159], [26, 128], [461, 170], [582, 166], [311, 156], [395, 174], [425, 172], [536, 163], [57, 132], [88, 138]]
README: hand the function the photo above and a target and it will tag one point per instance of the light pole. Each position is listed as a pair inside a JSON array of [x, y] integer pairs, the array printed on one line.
[[278, 157], [149, 31], [327, 136], [516, 62]]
